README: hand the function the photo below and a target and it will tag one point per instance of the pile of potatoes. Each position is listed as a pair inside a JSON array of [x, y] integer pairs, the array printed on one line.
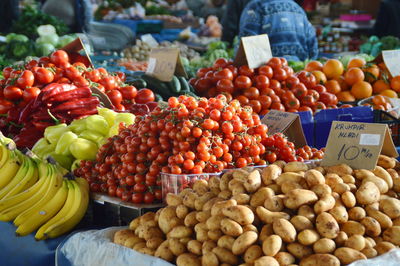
[[284, 214]]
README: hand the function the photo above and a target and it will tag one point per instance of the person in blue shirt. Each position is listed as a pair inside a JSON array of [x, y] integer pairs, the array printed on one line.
[[290, 33]]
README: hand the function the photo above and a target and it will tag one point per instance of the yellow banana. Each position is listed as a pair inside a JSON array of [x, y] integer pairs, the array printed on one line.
[[73, 193], [21, 173], [28, 192], [14, 210], [45, 212], [55, 184], [4, 155], [10, 168], [75, 214]]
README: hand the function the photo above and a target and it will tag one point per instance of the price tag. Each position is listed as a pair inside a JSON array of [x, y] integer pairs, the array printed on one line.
[[75, 47], [164, 63], [253, 51], [287, 123], [392, 61], [358, 144], [149, 39]]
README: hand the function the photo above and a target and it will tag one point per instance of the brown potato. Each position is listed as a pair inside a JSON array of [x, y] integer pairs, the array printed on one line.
[[250, 227], [289, 176], [214, 222], [295, 167], [209, 258], [242, 198], [173, 200], [285, 230], [214, 234], [177, 248], [324, 245], [353, 228], [367, 193], [341, 238], [308, 237], [270, 173], [274, 204], [386, 161], [266, 231], [357, 213], [230, 227], [324, 204], [180, 232], [369, 252], [284, 258], [348, 179], [258, 198], [392, 235], [326, 225], [320, 260], [164, 252], [266, 260], [134, 224], [341, 169], [383, 247], [203, 216], [321, 190], [301, 223], [208, 246], [382, 173], [195, 247], [348, 199], [226, 242], [131, 241], [243, 242], [253, 181], [314, 177], [390, 207], [252, 253], [190, 219], [225, 256], [298, 197], [216, 209], [379, 183], [188, 259], [356, 242], [241, 214], [348, 255], [154, 243], [271, 245], [298, 250], [289, 185], [382, 218], [307, 212], [122, 235]]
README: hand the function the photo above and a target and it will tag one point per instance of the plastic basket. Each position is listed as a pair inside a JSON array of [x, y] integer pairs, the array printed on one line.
[[249, 167], [172, 183], [393, 123]]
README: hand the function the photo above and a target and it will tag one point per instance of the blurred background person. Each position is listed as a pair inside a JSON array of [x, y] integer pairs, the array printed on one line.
[[8, 13], [388, 19]]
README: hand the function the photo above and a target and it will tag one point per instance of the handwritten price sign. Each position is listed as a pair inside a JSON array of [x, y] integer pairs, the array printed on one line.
[[164, 63], [254, 51]]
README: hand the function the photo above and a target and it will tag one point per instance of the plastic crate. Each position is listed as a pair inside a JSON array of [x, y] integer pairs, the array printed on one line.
[[393, 123], [172, 183]]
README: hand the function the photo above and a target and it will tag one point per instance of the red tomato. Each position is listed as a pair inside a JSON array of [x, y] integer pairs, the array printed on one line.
[[108, 83], [251, 93], [291, 81], [280, 74], [6, 72], [242, 82], [223, 74], [80, 82], [59, 57], [5, 106], [115, 97], [128, 92], [43, 75], [266, 71], [149, 197], [30, 93], [202, 85], [225, 85], [328, 98], [308, 100], [246, 71], [262, 82], [72, 73], [314, 94], [319, 88], [299, 90], [144, 96], [26, 79], [275, 63], [93, 75], [12, 93], [220, 63], [307, 78], [137, 197]]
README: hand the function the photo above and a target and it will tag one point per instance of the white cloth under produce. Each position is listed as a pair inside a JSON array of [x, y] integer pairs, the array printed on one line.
[[95, 247]]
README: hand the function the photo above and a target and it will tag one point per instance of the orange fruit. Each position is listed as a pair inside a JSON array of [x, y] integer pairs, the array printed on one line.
[[319, 76], [395, 83], [361, 90], [356, 62], [380, 85], [343, 85], [354, 75], [333, 86], [345, 96], [379, 100], [389, 93], [371, 73], [333, 68], [313, 65]]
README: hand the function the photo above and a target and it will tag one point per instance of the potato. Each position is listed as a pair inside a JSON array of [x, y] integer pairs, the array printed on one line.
[[216, 209], [202, 200], [238, 188], [177, 248], [132, 241], [369, 242], [308, 237], [340, 188], [284, 258], [333, 179], [253, 181], [392, 235], [250, 227], [188, 259], [289, 176], [367, 193], [225, 195], [307, 212], [266, 260], [225, 256], [348, 179], [383, 247], [320, 260], [298, 250], [353, 228], [340, 170], [369, 252], [208, 246], [314, 177], [348, 199], [223, 183], [341, 238], [180, 232], [173, 200], [147, 251], [321, 190], [357, 214], [266, 231], [258, 198], [270, 173], [285, 230], [301, 223], [271, 245], [348, 255], [185, 240], [164, 252], [195, 247], [243, 242], [240, 175], [209, 258], [382, 173], [326, 203], [207, 206], [139, 245], [324, 245], [164, 220], [241, 214], [214, 234], [226, 242], [242, 198], [356, 242], [298, 197], [326, 225], [382, 218], [134, 224], [372, 226], [189, 199], [203, 216], [379, 183], [362, 173], [274, 204], [390, 207], [230, 227], [214, 222], [213, 182], [295, 167], [190, 219], [122, 235], [393, 173], [181, 211], [289, 185], [252, 253], [396, 221], [386, 161], [275, 188]]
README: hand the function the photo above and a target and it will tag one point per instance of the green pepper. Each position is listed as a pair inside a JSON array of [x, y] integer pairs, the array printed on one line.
[[108, 114], [91, 135], [83, 149], [42, 147], [53, 133], [63, 160], [126, 118], [78, 126], [64, 142], [97, 123], [16, 37]]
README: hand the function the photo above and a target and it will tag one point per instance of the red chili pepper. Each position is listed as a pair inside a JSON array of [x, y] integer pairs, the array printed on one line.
[[41, 125], [53, 89], [28, 136], [75, 104], [41, 114], [89, 110], [71, 95]]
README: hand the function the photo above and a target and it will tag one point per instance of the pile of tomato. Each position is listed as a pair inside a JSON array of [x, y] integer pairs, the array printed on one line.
[[271, 86]]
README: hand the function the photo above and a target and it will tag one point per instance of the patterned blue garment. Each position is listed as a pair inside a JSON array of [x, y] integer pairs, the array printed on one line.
[[290, 33]]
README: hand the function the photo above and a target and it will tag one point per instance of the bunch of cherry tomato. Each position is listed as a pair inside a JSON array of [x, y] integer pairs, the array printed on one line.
[[271, 86], [189, 136]]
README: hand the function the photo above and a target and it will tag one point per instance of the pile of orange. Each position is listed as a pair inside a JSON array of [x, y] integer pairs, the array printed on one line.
[[379, 102], [359, 80]]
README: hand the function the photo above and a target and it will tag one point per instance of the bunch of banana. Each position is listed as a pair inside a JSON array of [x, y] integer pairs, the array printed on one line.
[[35, 195]]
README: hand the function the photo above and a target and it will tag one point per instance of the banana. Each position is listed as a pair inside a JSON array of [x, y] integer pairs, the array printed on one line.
[[55, 185], [4, 155], [10, 168], [28, 179], [45, 212], [14, 210], [73, 193], [75, 213], [21, 173]]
